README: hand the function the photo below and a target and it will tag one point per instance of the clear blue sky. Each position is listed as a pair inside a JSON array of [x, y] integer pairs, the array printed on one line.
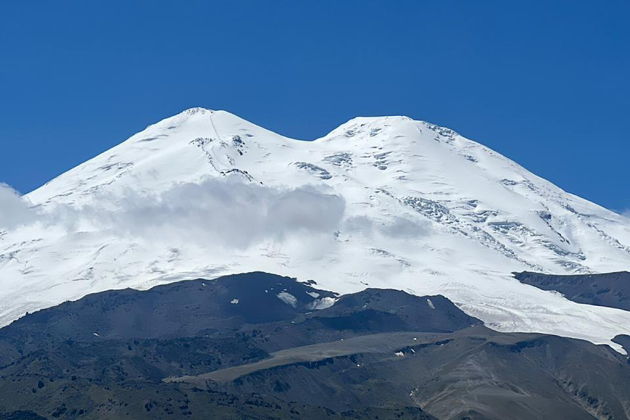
[[543, 82]]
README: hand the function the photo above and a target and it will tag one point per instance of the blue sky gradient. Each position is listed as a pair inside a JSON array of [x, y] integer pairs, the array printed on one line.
[[545, 83]]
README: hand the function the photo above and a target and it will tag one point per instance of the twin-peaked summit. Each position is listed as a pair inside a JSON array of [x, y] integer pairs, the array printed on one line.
[[381, 202], [220, 139]]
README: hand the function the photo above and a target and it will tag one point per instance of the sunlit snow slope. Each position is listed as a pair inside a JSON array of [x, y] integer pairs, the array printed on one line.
[[382, 202]]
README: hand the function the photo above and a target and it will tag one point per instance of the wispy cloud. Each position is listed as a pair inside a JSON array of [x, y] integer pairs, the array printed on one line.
[[222, 212], [14, 210], [229, 213], [219, 212], [397, 227]]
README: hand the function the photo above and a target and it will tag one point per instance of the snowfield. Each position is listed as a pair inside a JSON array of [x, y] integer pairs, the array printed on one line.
[[381, 202]]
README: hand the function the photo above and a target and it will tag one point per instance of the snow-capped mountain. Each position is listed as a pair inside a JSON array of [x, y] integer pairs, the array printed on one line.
[[383, 202]]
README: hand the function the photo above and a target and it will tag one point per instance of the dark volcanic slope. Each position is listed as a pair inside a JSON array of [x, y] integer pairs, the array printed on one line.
[[253, 346], [624, 340], [182, 309], [473, 373], [244, 302], [609, 289]]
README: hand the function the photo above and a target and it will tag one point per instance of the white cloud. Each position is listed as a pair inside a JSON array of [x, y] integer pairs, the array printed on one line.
[[229, 213], [14, 210], [225, 213], [359, 224], [215, 212], [401, 227], [398, 227]]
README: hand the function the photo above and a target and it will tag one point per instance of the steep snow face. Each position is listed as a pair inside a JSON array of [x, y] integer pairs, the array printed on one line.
[[380, 202]]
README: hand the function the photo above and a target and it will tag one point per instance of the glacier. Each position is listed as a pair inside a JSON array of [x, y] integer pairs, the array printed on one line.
[[385, 202]]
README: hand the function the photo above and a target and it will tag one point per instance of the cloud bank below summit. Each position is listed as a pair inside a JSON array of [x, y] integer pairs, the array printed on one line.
[[225, 212], [14, 209]]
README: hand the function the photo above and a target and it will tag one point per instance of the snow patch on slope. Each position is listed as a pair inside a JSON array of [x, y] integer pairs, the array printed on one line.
[[287, 298]]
